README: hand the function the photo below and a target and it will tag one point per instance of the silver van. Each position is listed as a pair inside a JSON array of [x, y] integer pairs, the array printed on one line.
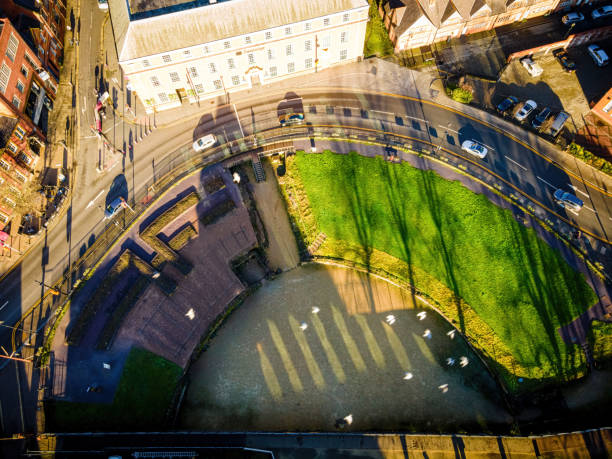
[[557, 124]]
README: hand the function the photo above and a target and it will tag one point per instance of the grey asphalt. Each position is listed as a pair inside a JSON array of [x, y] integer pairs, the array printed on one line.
[[66, 240]]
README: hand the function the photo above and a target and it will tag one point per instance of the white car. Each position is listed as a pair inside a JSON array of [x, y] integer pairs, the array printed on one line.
[[572, 18], [525, 110], [533, 68], [204, 142], [602, 12], [474, 148]]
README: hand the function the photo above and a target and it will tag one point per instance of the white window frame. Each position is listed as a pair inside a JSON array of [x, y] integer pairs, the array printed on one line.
[[5, 75], [235, 80], [12, 47]]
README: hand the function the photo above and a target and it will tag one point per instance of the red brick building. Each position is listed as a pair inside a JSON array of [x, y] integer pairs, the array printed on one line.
[[26, 96], [43, 24]]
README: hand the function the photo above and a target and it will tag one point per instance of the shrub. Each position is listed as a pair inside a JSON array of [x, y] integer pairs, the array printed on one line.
[[458, 94], [217, 212], [377, 42], [584, 155], [182, 238]]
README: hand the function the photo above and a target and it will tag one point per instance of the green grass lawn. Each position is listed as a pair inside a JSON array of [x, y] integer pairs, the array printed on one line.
[[377, 41], [512, 280], [143, 396]]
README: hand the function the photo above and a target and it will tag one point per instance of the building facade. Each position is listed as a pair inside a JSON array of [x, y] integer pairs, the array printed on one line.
[[414, 23], [43, 24], [171, 55]]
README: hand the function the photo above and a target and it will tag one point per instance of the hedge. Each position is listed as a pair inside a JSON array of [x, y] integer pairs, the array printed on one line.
[[584, 155], [181, 239], [217, 212]]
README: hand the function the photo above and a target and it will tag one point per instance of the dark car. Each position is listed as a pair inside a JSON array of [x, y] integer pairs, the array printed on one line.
[[507, 104], [114, 207], [288, 119], [541, 117], [565, 61]]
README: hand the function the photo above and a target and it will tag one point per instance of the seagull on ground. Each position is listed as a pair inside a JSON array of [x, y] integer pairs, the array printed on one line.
[[349, 419], [303, 326], [408, 376], [427, 334], [451, 334], [390, 319], [421, 315], [463, 361], [443, 388], [315, 310], [450, 361]]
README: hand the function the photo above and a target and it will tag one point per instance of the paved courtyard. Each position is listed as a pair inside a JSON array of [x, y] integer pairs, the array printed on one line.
[[278, 364]]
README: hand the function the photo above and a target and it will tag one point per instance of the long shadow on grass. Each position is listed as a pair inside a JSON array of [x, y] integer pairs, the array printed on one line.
[[549, 283], [444, 233], [404, 235]]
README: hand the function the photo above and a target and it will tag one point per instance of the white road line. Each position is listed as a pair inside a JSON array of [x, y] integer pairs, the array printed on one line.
[[592, 210], [489, 147], [576, 189], [2, 307], [513, 161], [446, 128], [91, 203], [540, 178]]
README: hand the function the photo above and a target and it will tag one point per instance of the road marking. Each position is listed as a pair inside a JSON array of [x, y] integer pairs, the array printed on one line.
[[446, 128], [592, 210], [91, 203], [489, 147], [540, 178], [2, 307], [577, 190], [513, 161]]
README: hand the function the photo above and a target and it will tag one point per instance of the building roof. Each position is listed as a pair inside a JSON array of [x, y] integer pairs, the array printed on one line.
[[194, 24]]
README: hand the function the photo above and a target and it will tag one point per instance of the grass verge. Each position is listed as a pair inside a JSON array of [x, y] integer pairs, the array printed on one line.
[[506, 289], [600, 340], [141, 401], [377, 42]]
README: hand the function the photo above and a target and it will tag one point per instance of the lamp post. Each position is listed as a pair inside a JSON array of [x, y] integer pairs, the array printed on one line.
[[54, 291]]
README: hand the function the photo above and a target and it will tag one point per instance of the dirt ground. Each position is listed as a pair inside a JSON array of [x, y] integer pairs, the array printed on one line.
[[279, 365], [282, 251]]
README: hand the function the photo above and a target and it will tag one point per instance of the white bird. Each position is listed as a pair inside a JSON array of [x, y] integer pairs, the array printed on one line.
[[390, 319], [450, 361], [408, 376], [443, 388], [315, 310], [303, 326], [349, 419], [463, 361], [421, 315], [451, 334], [427, 334]]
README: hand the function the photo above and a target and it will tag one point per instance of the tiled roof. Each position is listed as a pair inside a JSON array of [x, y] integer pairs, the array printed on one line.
[[137, 38]]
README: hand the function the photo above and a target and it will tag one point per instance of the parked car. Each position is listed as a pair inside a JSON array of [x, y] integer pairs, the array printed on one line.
[[525, 110], [558, 123], [572, 18], [288, 119], [114, 207], [568, 200], [204, 142], [533, 68], [566, 62], [103, 4], [599, 55], [474, 148], [541, 117], [507, 104], [602, 12]]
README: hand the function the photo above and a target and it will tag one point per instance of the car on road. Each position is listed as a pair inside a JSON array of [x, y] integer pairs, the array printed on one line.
[[602, 12], [204, 142], [507, 104], [287, 119], [572, 17], [566, 62], [474, 148], [541, 117], [525, 110], [113, 208], [533, 68], [599, 55], [568, 200]]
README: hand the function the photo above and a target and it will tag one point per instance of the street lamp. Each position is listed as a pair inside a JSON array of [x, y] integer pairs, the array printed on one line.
[[54, 291]]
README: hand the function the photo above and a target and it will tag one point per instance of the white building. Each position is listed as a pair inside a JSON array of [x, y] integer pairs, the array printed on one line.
[[174, 52]]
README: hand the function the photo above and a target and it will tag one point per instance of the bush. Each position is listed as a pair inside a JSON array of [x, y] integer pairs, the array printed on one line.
[[164, 252], [584, 155], [377, 42], [458, 94], [217, 212], [600, 340], [182, 238]]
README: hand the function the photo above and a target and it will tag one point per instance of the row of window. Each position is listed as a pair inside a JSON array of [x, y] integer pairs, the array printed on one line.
[[167, 58], [236, 80], [7, 167]]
